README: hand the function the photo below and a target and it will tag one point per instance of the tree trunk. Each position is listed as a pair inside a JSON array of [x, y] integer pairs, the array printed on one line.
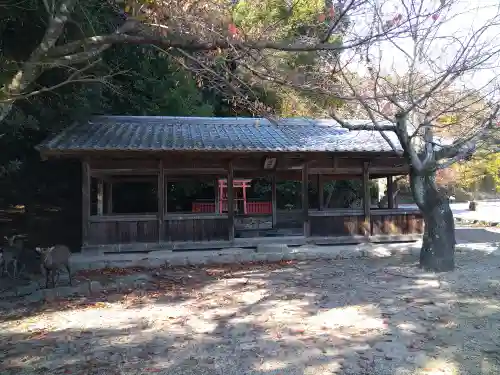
[[438, 245]]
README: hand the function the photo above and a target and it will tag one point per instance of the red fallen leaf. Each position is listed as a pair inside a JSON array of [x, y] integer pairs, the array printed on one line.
[[331, 12], [321, 18], [435, 17], [233, 30]]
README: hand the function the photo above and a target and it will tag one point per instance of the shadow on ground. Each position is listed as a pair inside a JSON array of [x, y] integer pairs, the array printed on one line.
[[319, 317], [477, 235]]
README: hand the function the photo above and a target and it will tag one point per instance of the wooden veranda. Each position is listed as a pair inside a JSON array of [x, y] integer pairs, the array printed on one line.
[[166, 150]]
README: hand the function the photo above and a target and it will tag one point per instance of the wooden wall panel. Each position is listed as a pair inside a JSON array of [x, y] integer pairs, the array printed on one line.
[[393, 224], [289, 218], [123, 232], [336, 226], [198, 230]]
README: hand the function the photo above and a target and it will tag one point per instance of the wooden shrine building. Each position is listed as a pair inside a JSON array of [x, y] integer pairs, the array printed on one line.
[[225, 160]]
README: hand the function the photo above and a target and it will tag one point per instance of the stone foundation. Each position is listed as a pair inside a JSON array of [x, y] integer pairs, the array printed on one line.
[[270, 252]]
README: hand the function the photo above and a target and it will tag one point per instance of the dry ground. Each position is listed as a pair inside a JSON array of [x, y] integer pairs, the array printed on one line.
[[319, 317]]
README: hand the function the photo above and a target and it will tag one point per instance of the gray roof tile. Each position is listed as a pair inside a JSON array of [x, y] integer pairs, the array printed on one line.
[[151, 133]]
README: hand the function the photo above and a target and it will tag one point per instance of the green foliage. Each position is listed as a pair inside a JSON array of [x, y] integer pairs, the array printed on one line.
[[300, 104], [255, 16], [481, 168], [151, 84], [137, 80]]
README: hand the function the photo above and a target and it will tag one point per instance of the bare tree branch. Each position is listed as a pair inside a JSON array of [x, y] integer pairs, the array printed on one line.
[[31, 69]]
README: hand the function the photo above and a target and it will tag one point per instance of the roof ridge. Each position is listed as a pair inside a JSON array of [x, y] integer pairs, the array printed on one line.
[[237, 121]]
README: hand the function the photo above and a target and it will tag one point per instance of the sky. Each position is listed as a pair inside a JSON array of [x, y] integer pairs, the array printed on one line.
[[455, 24]]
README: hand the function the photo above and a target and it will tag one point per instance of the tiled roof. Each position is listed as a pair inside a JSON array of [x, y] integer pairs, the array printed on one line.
[[148, 133]]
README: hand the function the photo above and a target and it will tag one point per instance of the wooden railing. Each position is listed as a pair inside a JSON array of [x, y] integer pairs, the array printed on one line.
[[352, 223], [206, 227], [396, 222], [122, 229], [337, 223], [265, 208], [199, 207], [196, 228]]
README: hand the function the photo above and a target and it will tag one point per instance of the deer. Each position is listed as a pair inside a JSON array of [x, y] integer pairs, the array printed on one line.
[[10, 254], [54, 258]]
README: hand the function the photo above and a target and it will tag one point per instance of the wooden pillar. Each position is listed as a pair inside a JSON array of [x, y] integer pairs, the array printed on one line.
[[390, 193], [85, 201], [100, 197], [273, 198], [161, 201], [321, 193], [230, 200], [221, 196], [244, 198], [217, 196], [366, 198], [305, 198], [109, 200]]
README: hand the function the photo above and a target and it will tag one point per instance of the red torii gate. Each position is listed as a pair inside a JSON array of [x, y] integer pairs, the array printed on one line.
[[221, 202], [222, 193]]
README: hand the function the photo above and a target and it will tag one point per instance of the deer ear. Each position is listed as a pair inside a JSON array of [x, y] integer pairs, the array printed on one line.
[[51, 248], [38, 250]]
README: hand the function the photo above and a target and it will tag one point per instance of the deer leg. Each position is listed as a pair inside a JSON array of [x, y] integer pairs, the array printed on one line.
[[47, 278], [57, 274], [14, 268], [52, 277], [21, 269], [69, 274]]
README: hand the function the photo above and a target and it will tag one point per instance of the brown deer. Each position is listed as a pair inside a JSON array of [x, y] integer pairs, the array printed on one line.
[[10, 254], [53, 259]]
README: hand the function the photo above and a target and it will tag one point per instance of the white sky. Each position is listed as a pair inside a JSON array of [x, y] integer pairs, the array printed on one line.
[[461, 20]]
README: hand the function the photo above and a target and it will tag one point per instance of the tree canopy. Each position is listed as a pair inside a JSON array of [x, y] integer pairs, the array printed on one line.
[[416, 68]]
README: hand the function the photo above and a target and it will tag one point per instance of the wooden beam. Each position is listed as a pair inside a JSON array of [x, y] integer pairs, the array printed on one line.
[[100, 197], [366, 197], [161, 201], [305, 198], [85, 201], [166, 178], [230, 200], [196, 171], [217, 195], [124, 171], [152, 178], [274, 198], [109, 198], [107, 163], [357, 171], [390, 192], [123, 218], [335, 162]]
